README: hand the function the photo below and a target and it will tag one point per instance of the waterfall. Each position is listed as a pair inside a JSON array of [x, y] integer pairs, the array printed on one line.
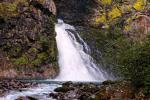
[[74, 61]]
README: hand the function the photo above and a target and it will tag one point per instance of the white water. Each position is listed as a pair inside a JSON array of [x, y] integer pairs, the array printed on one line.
[[40, 92], [74, 63]]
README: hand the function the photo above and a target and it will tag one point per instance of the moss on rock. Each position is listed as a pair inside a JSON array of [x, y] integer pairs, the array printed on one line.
[[27, 37], [23, 60], [9, 9]]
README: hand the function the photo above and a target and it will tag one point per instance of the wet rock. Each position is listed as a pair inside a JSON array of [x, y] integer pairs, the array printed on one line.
[[21, 98], [7, 85], [63, 89], [83, 96], [31, 98], [26, 98], [107, 82], [67, 84], [53, 95], [71, 94], [119, 90]]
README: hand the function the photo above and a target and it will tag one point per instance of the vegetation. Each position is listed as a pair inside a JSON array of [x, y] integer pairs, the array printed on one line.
[[129, 60], [114, 13], [139, 4], [125, 58], [112, 9], [105, 2], [9, 9]]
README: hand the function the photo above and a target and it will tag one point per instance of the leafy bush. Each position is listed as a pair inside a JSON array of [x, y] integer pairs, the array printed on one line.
[[129, 60]]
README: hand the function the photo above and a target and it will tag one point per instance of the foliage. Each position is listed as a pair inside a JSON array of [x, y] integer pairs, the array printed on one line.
[[105, 2], [129, 60], [9, 9], [114, 13], [138, 5], [112, 9], [101, 19]]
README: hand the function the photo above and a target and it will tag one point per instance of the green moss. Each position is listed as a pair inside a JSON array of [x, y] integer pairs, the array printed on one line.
[[9, 9], [23, 60], [33, 50], [51, 22], [40, 58], [36, 62], [44, 40]]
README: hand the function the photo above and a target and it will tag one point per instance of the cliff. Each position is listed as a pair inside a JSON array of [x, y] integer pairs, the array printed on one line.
[[27, 39]]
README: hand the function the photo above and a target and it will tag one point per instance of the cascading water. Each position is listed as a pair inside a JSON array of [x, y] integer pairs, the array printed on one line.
[[74, 63]]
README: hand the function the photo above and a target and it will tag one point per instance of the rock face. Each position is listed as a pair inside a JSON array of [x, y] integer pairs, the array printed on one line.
[[75, 11], [27, 39], [138, 27]]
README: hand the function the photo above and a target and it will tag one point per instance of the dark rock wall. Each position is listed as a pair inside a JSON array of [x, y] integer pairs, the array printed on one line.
[[75, 11]]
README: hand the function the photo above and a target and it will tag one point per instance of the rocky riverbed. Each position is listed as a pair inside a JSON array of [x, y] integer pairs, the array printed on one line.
[[108, 90], [8, 85]]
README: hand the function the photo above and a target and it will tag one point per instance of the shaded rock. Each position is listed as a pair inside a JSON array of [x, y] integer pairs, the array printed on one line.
[[53, 95], [26, 98], [80, 11], [63, 89], [107, 82], [67, 84], [32, 98], [84, 96], [137, 28]]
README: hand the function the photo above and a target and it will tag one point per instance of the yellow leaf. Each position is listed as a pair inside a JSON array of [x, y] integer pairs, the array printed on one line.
[[114, 13], [105, 2], [138, 5], [101, 19]]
